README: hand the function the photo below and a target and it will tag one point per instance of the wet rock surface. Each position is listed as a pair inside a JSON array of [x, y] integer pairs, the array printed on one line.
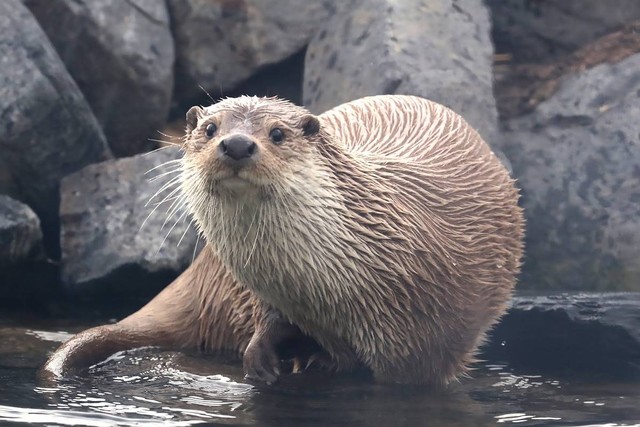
[[121, 56], [577, 159], [595, 333], [440, 50], [542, 30], [220, 44], [46, 128], [106, 250]]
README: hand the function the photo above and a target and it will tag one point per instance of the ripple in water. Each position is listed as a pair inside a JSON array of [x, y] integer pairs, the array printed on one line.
[[149, 387]]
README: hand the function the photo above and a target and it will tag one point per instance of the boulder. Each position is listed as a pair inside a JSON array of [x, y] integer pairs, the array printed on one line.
[[47, 130], [24, 268], [20, 235], [440, 50], [577, 159], [107, 247], [589, 332], [121, 56], [542, 30], [221, 43], [521, 87]]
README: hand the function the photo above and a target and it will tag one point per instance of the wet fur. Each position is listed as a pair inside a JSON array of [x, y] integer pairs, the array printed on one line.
[[204, 309], [392, 235]]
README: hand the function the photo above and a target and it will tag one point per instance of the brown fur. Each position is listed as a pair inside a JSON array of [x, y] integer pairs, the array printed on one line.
[[391, 234], [203, 309]]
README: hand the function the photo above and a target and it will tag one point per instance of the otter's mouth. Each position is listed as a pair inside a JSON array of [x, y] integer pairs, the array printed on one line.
[[235, 182]]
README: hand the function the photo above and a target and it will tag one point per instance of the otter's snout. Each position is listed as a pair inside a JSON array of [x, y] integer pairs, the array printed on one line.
[[237, 147]]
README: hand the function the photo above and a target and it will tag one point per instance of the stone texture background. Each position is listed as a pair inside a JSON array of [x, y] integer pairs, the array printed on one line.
[[554, 85]]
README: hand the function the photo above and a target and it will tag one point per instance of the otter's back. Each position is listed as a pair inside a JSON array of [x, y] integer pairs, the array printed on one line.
[[398, 127]]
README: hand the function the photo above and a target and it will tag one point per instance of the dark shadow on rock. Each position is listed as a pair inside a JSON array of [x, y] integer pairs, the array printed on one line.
[[596, 334]]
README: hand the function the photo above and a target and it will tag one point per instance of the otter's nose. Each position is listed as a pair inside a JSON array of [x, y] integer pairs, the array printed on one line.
[[237, 147]]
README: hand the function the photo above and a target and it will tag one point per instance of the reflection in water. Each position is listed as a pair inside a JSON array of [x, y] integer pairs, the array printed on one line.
[[149, 387], [78, 418]]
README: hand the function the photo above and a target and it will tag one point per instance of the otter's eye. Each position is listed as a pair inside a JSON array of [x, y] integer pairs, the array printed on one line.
[[211, 130], [276, 136]]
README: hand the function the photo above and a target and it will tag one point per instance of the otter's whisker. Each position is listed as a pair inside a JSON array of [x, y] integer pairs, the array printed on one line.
[[207, 93], [160, 148], [173, 208], [185, 231], [157, 177], [157, 205], [173, 181], [168, 162], [170, 199], [162, 141], [195, 247], [169, 136], [171, 229], [250, 225]]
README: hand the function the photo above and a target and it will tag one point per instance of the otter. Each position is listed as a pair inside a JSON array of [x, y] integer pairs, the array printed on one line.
[[382, 234], [385, 229]]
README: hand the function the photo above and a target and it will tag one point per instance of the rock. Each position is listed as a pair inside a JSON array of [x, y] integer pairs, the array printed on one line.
[[24, 268], [106, 250], [577, 159], [20, 235], [440, 50], [47, 129], [541, 30], [283, 79], [121, 56], [219, 44], [521, 87], [596, 333], [22, 348]]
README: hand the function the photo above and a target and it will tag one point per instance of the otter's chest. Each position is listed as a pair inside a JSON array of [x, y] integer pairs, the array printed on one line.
[[299, 269]]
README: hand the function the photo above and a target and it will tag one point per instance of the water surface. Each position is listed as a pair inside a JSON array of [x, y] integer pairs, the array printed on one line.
[[152, 387]]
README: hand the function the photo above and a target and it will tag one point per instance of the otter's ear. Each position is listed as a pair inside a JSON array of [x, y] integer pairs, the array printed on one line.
[[310, 125], [193, 115]]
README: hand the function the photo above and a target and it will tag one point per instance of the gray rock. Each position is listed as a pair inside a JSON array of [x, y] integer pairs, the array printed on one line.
[[539, 30], [106, 250], [47, 129], [440, 50], [577, 158], [283, 79], [25, 270], [596, 333], [220, 44], [20, 235], [121, 56]]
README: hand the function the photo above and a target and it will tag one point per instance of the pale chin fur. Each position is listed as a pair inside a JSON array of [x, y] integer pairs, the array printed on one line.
[[237, 186]]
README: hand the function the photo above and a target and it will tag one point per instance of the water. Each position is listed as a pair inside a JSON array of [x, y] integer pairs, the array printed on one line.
[[152, 387]]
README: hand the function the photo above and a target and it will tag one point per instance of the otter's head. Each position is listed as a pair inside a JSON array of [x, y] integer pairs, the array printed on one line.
[[247, 145]]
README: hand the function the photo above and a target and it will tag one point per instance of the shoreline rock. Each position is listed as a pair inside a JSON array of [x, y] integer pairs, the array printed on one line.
[[106, 250], [221, 44], [25, 271], [598, 333], [577, 160], [47, 130], [121, 56], [410, 48]]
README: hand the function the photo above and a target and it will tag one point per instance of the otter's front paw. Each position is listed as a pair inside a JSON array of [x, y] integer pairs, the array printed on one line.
[[261, 362]]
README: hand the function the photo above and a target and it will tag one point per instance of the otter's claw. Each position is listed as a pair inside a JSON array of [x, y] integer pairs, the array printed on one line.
[[261, 361]]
